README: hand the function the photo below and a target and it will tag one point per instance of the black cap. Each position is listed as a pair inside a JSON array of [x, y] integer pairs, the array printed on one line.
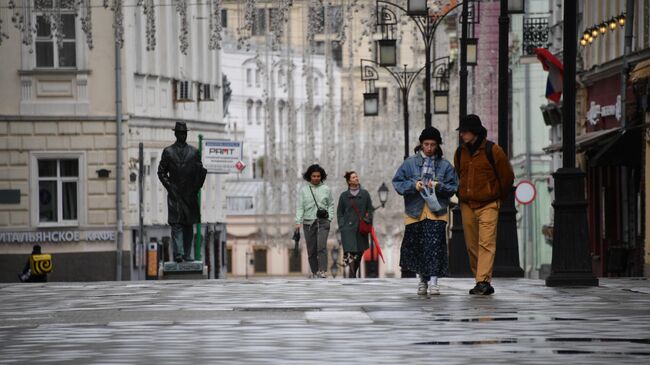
[[471, 123], [180, 127], [431, 133]]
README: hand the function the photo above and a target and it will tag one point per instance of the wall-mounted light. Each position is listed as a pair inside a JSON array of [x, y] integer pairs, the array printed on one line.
[[594, 32], [603, 28], [585, 35], [612, 24], [621, 20], [103, 173], [583, 42]]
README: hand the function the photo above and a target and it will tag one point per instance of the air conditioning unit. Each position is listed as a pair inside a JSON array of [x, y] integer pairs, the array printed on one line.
[[183, 90], [206, 92]]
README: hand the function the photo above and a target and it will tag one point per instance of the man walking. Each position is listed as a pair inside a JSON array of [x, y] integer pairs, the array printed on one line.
[[182, 174], [486, 178]]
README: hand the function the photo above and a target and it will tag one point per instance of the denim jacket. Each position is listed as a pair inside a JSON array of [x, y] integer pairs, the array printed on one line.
[[410, 172]]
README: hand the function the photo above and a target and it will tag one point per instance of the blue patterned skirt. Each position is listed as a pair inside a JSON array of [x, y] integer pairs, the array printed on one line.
[[424, 248]]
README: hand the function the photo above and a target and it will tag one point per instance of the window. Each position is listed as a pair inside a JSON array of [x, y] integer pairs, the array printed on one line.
[[337, 53], [239, 203], [58, 183], [260, 261], [259, 22], [48, 52], [258, 113], [316, 86], [295, 261], [249, 112], [249, 77], [258, 77], [224, 18]]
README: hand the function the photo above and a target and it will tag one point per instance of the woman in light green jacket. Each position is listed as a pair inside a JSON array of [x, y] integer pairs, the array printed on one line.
[[314, 211]]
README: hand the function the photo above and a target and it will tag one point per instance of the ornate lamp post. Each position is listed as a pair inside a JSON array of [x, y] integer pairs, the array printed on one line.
[[405, 80], [426, 21]]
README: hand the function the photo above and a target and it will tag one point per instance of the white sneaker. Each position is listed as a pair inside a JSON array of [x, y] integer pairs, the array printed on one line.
[[434, 290], [321, 275], [422, 288]]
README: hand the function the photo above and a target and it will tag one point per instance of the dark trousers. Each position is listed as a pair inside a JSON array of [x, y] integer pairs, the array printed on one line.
[[316, 238], [182, 235]]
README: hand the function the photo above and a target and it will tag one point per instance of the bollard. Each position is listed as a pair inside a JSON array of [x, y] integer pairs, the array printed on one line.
[[152, 261]]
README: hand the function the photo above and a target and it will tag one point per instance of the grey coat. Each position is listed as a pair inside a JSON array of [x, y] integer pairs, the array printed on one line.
[[348, 220]]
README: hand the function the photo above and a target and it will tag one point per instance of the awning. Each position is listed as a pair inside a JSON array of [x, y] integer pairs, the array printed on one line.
[[640, 71], [583, 141]]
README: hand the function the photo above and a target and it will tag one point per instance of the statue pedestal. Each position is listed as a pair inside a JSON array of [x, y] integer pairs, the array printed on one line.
[[184, 270]]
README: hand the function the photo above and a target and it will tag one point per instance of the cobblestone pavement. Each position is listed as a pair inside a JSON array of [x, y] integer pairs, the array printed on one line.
[[280, 321]]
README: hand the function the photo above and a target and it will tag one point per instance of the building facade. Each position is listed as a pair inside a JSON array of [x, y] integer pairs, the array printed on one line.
[[62, 181]]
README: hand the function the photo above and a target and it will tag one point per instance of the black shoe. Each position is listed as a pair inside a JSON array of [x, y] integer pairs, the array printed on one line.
[[188, 259], [475, 289], [482, 288], [178, 258]]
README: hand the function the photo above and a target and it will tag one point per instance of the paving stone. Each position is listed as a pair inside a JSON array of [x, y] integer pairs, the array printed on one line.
[[280, 321]]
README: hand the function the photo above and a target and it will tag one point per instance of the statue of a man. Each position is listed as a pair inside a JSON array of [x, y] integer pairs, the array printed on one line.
[[182, 174]]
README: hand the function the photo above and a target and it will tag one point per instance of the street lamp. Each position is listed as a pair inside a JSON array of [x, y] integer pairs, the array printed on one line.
[[426, 22], [472, 51], [417, 8], [516, 6], [441, 102], [405, 80], [370, 104], [387, 52], [383, 194]]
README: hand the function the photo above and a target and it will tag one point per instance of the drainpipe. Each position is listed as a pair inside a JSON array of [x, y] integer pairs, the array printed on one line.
[[629, 28], [118, 174]]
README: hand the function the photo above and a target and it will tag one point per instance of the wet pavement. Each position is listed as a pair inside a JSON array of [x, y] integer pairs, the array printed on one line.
[[279, 321]]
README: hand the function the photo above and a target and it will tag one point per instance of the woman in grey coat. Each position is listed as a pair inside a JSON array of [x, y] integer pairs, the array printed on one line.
[[354, 204]]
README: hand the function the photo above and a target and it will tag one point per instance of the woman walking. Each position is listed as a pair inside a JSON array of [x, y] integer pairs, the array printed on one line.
[[427, 181], [314, 211], [355, 207]]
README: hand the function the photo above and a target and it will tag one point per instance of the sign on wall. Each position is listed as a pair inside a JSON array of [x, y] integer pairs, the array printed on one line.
[[55, 236], [222, 157]]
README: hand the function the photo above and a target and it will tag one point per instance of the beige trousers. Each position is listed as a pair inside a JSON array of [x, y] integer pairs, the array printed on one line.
[[480, 230]]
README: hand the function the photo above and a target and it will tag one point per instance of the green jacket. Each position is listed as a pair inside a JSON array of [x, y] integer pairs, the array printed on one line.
[[306, 207], [348, 221]]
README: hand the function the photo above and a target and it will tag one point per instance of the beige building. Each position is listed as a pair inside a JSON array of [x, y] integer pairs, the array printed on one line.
[[59, 140]]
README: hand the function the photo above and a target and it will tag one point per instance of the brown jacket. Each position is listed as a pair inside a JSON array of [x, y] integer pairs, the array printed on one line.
[[478, 183]]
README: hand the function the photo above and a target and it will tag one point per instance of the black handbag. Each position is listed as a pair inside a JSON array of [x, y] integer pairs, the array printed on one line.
[[320, 213]]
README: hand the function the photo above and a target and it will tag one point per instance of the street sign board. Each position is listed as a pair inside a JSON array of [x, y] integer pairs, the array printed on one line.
[[525, 192], [222, 157]]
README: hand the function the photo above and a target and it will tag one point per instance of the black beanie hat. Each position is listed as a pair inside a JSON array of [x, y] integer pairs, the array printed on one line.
[[471, 123], [431, 133]]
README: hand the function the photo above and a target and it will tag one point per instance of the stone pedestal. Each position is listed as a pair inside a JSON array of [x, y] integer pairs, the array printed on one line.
[[184, 270]]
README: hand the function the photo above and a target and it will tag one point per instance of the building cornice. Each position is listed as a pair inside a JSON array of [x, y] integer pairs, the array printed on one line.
[[168, 123], [611, 68], [53, 71], [57, 118]]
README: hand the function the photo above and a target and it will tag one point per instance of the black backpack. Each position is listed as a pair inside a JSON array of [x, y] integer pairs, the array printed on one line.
[[488, 151]]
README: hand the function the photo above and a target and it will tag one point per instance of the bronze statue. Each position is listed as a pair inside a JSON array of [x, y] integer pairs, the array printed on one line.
[[182, 174]]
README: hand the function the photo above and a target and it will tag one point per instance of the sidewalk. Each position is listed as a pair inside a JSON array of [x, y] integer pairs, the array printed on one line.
[[338, 321]]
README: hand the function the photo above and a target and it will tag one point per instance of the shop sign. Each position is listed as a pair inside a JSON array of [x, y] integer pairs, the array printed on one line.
[[597, 111], [56, 236]]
